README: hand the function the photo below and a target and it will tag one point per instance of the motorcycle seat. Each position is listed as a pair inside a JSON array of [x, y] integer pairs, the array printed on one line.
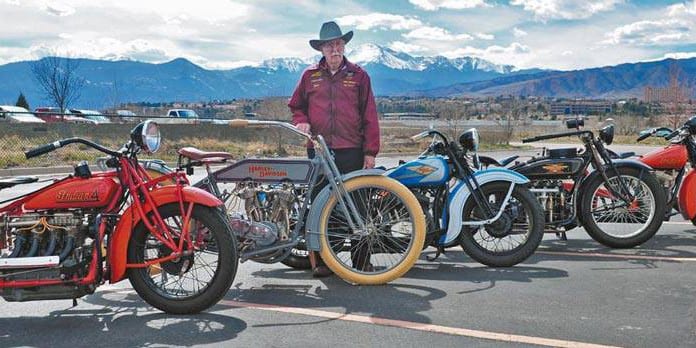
[[17, 180], [206, 157], [490, 161]]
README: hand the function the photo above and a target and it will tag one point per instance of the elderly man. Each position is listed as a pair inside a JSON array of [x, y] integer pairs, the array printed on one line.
[[334, 99]]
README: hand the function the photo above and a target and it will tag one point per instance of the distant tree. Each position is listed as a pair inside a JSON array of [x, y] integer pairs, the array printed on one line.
[[58, 79], [22, 101]]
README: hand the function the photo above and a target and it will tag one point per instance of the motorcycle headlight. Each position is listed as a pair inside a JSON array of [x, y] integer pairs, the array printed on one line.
[[470, 140], [606, 134], [691, 124], [147, 136]]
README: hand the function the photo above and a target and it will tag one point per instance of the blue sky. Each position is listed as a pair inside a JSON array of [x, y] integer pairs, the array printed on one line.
[[217, 34]]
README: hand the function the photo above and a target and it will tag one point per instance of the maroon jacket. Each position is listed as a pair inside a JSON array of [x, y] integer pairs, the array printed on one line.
[[340, 107]]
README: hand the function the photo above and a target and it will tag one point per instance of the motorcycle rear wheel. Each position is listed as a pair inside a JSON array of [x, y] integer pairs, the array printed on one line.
[[393, 240], [609, 222], [521, 238], [190, 284]]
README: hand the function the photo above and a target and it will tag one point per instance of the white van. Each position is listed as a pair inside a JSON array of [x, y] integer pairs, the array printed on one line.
[[11, 113]]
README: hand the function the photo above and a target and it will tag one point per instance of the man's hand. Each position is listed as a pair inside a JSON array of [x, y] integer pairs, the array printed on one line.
[[369, 162], [303, 127]]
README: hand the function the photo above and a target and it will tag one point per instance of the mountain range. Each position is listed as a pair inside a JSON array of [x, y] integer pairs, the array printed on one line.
[[393, 73]]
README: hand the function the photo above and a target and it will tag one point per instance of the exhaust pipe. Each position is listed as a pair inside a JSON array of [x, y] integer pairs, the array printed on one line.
[[29, 262]]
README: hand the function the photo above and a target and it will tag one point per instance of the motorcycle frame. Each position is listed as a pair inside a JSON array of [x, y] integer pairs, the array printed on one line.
[[144, 193], [323, 166]]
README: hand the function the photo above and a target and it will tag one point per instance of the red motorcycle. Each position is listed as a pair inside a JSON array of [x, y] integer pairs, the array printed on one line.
[[670, 163], [64, 240]]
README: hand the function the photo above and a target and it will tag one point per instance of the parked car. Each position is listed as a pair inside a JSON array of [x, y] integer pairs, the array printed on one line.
[[11, 113], [125, 116], [93, 115], [182, 113], [52, 114]]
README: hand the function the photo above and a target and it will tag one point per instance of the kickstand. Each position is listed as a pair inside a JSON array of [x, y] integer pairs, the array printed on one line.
[[74, 302], [561, 235], [440, 251]]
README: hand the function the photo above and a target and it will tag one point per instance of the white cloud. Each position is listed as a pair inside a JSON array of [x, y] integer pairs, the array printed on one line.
[[565, 9], [496, 54], [379, 20], [517, 32], [484, 36], [682, 9], [435, 33], [401, 46], [649, 32], [567, 53], [433, 5], [679, 55], [58, 8]]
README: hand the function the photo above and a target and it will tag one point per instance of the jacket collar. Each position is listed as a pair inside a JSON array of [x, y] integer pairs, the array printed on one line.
[[346, 65]]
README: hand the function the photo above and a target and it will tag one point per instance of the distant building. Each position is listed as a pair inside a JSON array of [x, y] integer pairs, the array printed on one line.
[[408, 116], [580, 107]]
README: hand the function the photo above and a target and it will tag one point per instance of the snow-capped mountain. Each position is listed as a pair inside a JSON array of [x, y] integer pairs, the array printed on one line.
[[391, 72]]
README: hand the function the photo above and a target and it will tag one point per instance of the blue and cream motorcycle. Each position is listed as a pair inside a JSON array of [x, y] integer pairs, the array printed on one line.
[[491, 213]]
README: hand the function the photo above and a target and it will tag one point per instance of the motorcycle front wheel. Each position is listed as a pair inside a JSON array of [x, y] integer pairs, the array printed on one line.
[[617, 224], [393, 237], [192, 283], [513, 237]]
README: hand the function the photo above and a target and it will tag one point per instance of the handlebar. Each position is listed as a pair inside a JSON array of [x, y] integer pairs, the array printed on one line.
[[240, 123], [673, 134], [60, 143], [644, 136], [553, 136]]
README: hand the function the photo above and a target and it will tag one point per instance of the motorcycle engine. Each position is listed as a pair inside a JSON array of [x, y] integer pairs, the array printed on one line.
[[554, 198], [63, 234], [266, 213]]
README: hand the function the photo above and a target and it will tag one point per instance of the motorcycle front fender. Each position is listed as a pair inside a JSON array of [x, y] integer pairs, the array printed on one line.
[[312, 237], [161, 195], [687, 196], [460, 194]]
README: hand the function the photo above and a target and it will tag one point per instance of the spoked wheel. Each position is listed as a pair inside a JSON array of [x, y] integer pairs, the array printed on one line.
[[618, 224], [513, 237], [393, 237], [191, 283]]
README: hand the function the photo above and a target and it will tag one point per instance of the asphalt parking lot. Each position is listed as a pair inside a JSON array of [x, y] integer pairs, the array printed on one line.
[[573, 293]]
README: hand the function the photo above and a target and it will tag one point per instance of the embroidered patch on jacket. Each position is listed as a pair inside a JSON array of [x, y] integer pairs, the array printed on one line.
[[316, 74]]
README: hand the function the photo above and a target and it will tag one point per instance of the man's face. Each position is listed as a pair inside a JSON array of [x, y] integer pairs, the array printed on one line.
[[333, 52]]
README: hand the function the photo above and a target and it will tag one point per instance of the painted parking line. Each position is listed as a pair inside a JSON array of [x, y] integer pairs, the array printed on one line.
[[496, 336], [617, 256]]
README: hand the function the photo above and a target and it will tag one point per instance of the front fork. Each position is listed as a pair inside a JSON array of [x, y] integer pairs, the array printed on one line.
[[627, 198]]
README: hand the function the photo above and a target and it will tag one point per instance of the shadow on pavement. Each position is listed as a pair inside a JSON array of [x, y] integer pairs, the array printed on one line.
[[120, 313]]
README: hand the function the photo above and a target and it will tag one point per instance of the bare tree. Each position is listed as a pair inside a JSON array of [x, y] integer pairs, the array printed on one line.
[[58, 79], [676, 96]]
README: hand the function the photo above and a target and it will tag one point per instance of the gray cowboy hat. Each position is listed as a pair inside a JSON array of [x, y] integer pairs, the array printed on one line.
[[330, 31]]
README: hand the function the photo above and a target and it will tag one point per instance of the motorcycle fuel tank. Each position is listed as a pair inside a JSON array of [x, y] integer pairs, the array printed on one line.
[[550, 168], [426, 171], [673, 156], [75, 192]]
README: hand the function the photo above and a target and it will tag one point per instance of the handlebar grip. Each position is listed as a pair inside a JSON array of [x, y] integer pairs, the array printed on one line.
[[643, 137], [419, 136], [239, 123], [673, 134], [529, 140], [42, 150]]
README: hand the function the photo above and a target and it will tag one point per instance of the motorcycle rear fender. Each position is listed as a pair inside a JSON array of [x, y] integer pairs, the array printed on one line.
[[687, 196], [161, 195], [312, 238], [460, 194], [618, 163]]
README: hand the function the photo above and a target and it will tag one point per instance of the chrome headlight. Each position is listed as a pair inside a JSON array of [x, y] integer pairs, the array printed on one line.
[[147, 136], [470, 140]]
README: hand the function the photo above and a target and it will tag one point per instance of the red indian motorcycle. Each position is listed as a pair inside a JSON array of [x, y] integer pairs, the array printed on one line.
[[65, 239], [670, 163]]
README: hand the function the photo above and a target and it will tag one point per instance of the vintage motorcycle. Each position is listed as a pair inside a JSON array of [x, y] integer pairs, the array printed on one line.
[[490, 213], [620, 203], [368, 228], [65, 239], [670, 164]]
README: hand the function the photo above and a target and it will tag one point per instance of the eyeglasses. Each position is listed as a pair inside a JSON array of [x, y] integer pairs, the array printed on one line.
[[337, 44]]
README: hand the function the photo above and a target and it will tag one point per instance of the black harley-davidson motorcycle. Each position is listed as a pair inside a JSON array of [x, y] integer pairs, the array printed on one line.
[[619, 202]]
